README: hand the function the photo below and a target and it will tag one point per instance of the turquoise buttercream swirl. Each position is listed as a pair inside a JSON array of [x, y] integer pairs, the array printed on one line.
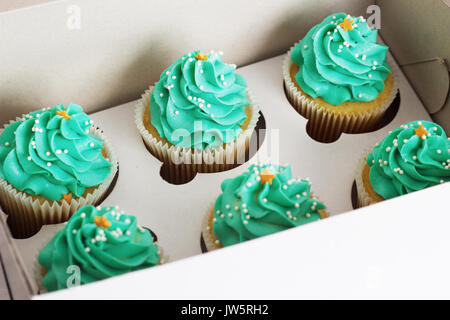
[[249, 209], [410, 159], [199, 103], [101, 242], [339, 65], [50, 155]]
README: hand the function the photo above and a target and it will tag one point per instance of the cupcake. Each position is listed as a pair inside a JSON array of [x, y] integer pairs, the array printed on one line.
[[263, 200], [95, 244], [412, 157], [52, 162], [338, 78], [198, 117]]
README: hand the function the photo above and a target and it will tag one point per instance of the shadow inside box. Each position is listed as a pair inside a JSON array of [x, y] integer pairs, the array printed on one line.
[[322, 134], [184, 173]]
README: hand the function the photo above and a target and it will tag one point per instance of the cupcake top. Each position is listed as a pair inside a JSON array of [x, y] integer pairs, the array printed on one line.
[[340, 60], [52, 154], [411, 157], [199, 102], [101, 242], [263, 200]]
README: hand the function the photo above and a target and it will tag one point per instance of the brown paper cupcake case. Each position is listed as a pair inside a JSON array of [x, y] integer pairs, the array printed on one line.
[[325, 125], [184, 163], [26, 216]]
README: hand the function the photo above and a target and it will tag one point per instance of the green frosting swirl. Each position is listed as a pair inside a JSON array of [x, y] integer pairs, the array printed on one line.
[[405, 161], [99, 252], [45, 154], [339, 65], [248, 209], [199, 103]]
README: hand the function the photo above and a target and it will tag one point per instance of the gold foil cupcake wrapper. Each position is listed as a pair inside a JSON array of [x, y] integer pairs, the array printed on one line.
[[26, 216], [184, 163], [325, 125]]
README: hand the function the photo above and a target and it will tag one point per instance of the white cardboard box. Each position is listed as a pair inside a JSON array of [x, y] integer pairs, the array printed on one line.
[[395, 249]]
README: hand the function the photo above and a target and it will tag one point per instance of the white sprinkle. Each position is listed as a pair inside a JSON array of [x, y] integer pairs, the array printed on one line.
[[247, 217], [439, 151], [297, 205], [360, 95], [29, 158], [442, 181], [127, 221], [174, 77], [244, 205], [87, 130], [222, 216], [375, 63], [83, 215], [201, 71], [374, 68], [297, 196], [356, 55], [176, 112], [308, 215], [339, 50], [285, 187], [87, 249], [66, 151], [249, 184], [93, 240], [230, 215], [388, 149], [201, 105], [245, 222], [414, 157], [86, 123], [74, 231], [212, 116], [217, 241], [370, 76], [6, 144], [306, 47], [167, 72], [49, 164], [48, 153], [288, 213], [128, 233], [363, 57], [304, 194], [201, 87], [227, 206], [264, 200]]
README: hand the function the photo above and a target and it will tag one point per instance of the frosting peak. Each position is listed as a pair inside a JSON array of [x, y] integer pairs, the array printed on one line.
[[411, 157], [340, 60], [51, 153], [199, 102], [263, 200]]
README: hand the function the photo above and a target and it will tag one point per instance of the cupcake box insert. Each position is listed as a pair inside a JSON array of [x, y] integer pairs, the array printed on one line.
[[175, 212]]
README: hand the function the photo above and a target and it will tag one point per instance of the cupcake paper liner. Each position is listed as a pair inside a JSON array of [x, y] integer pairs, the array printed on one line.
[[26, 216], [326, 125], [184, 163], [37, 268], [210, 240], [364, 198]]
